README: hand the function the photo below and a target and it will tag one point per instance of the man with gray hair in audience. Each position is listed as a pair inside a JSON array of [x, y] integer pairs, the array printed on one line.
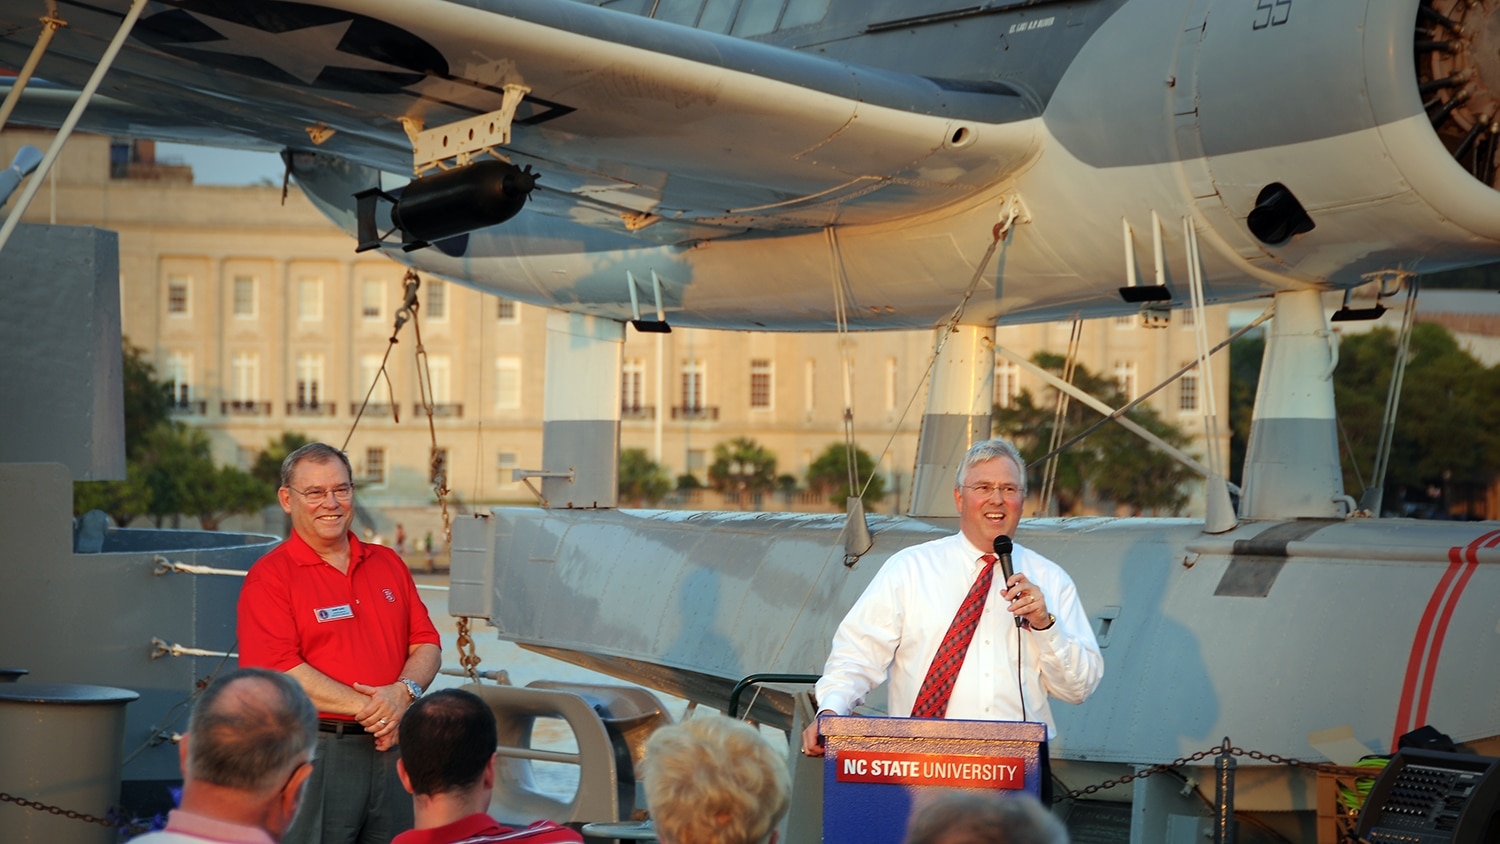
[[246, 755], [968, 817]]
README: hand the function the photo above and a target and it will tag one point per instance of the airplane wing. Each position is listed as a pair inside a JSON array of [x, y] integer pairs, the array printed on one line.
[[641, 119]]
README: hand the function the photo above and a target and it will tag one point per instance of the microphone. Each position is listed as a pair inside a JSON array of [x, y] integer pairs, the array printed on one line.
[[1003, 547]]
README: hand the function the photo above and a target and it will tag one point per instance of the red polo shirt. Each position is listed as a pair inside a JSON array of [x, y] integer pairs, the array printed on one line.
[[355, 628], [483, 829]]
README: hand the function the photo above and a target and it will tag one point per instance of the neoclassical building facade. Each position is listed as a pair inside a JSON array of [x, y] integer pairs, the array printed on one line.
[[263, 318]]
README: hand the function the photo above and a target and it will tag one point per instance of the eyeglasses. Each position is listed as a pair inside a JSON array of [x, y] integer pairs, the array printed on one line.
[[1005, 490], [317, 495]]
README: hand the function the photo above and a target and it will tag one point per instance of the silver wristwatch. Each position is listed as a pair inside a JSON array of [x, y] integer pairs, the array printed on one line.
[[412, 687]]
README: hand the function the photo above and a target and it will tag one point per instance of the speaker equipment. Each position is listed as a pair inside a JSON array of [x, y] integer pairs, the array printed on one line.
[[1432, 797]]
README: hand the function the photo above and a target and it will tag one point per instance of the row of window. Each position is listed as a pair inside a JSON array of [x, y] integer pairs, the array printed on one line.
[[1008, 385], [376, 299], [309, 379], [244, 383], [1183, 315], [371, 471]]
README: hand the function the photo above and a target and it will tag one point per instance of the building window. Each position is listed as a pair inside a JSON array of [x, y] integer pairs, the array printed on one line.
[[697, 462], [760, 384], [891, 386], [179, 376], [372, 299], [369, 370], [506, 311], [244, 297], [1187, 392], [1007, 383], [692, 385], [508, 383], [374, 466], [505, 467], [244, 373], [809, 385], [632, 385], [310, 299], [440, 378], [119, 159], [437, 300], [1126, 378], [1188, 320], [309, 380], [178, 302], [1125, 321]]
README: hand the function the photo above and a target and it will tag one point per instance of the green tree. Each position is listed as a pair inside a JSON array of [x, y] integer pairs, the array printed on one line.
[[172, 458], [122, 501], [642, 480], [1445, 434], [1131, 472], [1112, 462], [217, 493], [147, 399], [742, 465], [267, 468], [1245, 356], [829, 475]]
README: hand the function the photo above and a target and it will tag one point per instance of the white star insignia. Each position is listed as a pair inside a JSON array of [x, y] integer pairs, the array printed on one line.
[[302, 53]]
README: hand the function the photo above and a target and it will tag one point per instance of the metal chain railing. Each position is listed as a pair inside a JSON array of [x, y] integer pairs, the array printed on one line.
[[72, 815], [1226, 747]]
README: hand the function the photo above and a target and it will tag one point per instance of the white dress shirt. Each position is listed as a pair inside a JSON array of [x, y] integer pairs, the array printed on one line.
[[894, 630]]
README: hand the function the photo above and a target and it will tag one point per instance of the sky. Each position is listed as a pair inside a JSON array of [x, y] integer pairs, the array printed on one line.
[[217, 166]]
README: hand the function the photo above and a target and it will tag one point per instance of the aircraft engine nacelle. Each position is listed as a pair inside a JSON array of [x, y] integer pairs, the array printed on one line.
[[448, 204], [1357, 123]]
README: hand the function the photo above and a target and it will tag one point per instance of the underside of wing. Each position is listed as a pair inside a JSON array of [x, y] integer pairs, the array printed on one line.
[[630, 121]]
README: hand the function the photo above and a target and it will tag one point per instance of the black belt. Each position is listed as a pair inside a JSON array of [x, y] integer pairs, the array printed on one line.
[[350, 728]]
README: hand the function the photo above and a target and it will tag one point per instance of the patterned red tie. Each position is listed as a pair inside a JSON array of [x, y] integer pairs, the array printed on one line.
[[937, 686]]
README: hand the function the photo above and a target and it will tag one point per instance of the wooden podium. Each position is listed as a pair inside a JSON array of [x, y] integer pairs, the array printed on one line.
[[875, 767]]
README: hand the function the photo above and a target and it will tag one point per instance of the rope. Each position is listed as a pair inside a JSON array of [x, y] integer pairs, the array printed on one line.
[[1059, 418], [1214, 446], [407, 311], [165, 566], [1398, 378], [846, 364]]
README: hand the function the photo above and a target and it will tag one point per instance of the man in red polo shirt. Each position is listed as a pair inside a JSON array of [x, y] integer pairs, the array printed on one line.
[[449, 768], [344, 620]]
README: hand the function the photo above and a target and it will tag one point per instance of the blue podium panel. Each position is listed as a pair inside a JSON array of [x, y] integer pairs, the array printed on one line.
[[875, 767]]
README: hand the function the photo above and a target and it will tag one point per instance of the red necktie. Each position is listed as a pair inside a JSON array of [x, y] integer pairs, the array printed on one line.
[[937, 686]]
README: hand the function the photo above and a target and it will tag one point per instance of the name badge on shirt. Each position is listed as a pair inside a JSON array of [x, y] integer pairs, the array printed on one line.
[[334, 613]]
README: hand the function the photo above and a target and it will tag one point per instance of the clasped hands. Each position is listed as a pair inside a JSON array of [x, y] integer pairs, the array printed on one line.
[[382, 713]]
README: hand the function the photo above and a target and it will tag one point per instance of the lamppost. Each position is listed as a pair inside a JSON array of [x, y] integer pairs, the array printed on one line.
[[739, 479]]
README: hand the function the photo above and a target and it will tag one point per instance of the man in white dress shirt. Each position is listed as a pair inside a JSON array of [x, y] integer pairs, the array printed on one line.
[[895, 628]]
